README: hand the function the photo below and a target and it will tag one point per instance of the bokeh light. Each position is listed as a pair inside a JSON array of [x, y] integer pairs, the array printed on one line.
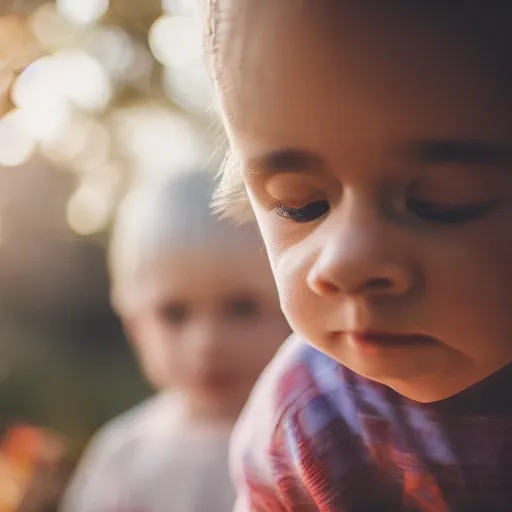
[[96, 150], [100, 94], [46, 121], [157, 140], [175, 40], [113, 49], [180, 7], [90, 207], [16, 145], [88, 211], [82, 79], [38, 84], [189, 86], [70, 75], [51, 29], [82, 12], [82, 148]]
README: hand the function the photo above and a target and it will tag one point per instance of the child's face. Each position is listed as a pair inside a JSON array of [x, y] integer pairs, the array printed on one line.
[[208, 325], [377, 156]]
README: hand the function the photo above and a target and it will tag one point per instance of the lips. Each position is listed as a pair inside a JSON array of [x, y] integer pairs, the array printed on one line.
[[213, 377]]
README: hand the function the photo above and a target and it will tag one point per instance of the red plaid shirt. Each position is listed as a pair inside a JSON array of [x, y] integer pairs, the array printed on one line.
[[317, 437]]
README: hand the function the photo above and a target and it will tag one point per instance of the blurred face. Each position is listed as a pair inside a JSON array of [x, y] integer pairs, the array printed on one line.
[[379, 168], [210, 324]]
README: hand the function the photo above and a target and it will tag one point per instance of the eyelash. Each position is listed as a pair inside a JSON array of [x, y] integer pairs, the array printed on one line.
[[437, 213], [308, 213], [428, 212]]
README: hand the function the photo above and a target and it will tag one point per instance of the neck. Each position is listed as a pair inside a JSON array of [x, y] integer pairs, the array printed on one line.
[[213, 413]]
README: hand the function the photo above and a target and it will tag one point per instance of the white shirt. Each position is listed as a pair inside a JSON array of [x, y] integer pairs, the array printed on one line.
[[146, 461]]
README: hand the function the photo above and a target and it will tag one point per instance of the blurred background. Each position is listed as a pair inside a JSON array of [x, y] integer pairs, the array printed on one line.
[[94, 94]]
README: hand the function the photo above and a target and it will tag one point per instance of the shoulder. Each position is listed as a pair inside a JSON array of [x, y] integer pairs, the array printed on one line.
[[119, 438], [297, 374], [105, 466], [302, 435], [295, 388], [301, 427], [127, 426]]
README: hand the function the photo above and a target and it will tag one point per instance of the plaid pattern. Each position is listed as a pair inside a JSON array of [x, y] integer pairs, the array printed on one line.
[[317, 437]]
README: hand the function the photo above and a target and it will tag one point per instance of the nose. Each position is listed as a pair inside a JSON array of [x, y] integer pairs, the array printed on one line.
[[362, 254], [205, 337]]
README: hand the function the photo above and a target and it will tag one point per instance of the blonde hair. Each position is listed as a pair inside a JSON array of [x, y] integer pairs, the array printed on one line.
[[166, 217], [230, 196]]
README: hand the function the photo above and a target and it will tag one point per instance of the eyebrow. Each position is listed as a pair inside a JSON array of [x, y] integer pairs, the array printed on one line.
[[286, 161], [427, 151], [459, 151]]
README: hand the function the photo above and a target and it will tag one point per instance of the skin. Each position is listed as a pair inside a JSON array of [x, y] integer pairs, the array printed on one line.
[[207, 325], [391, 143]]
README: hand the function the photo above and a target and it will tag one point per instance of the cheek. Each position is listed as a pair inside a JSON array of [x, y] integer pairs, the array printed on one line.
[[278, 238], [160, 354], [304, 310], [478, 263], [291, 259], [469, 288], [159, 349], [158, 367]]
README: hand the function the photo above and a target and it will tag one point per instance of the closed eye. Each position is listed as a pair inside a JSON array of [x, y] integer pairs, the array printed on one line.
[[443, 214], [308, 213]]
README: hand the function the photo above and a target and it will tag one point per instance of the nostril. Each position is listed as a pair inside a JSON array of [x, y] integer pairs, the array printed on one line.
[[328, 288]]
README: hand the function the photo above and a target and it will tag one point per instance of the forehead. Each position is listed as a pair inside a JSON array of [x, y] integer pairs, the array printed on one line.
[[349, 76], [210, 275]]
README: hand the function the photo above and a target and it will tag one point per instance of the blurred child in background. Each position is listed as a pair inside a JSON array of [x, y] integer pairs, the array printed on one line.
[[198, 301]]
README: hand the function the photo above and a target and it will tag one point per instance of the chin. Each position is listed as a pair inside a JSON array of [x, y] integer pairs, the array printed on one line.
[[423, 394], [414, 382], [425, 387]]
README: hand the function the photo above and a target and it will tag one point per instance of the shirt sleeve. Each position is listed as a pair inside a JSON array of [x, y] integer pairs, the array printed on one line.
[[253, 464], [262, 467]]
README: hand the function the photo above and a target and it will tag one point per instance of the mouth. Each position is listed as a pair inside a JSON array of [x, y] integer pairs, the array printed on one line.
[[214, 378], [372, 341]]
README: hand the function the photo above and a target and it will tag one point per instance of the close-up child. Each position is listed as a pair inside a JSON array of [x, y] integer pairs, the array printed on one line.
[[371, 141], [199, 305]]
